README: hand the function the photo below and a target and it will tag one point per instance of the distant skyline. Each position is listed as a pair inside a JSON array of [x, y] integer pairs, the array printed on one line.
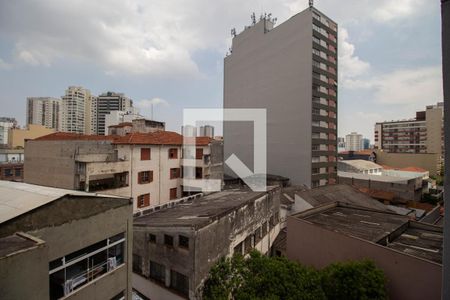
[[170, 53]]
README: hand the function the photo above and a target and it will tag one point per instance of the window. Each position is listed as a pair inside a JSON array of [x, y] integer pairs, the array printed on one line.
[[174, 173], [7, 172], [238, 249], [157, 271], [17, 172], [173, 153], [152, 238], [145, 177], [143, 200], [173, 193], [248, 244], [168, 240], [198, 153], [179, 282], [183, 241], [264, 229], [145, 154], [198, 173], [69, 273], [137, 264]]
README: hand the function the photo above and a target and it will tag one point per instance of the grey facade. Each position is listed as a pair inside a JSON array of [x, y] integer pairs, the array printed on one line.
[[108, 102], [175, 248], [59, 243], [290, 70], [446, 79]]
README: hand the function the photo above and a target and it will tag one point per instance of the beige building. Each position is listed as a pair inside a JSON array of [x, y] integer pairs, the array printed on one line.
[[78, 111], [57, 243], [147, 167], [431, 162], [17, 137], [45, 111], [423, 134]]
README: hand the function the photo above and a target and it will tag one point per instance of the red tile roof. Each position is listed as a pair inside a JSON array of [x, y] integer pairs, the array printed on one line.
[[67, 136], [414, 169], [158, 138]]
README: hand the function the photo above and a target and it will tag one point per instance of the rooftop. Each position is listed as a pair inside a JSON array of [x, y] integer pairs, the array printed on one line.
[[17, 198], [368, 224], [339, 193], [361, 164], [68, 136], [201, 211], [124, 124], [16, 242], [384, 228], [158, 138], [361, 152], [379, 178]]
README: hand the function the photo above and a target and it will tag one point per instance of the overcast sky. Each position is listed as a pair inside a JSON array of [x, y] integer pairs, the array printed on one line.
[[171, 53]]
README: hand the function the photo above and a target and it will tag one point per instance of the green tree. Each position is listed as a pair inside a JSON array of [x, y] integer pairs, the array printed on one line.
[[262, 277], [354, 280]]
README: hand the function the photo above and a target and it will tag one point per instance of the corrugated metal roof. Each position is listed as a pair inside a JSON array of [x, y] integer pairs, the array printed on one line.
[[17, 198]]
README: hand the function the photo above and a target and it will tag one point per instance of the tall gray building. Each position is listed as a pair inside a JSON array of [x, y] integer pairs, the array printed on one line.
[[108, 102], [446, 78], [44, 111], [290, 70]]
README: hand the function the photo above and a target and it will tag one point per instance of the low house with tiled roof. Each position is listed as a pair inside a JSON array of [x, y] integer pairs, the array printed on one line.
[[147, 167]]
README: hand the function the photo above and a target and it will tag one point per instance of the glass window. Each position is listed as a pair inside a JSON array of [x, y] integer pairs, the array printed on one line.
[[183, 241], [157, 271], [179, 282]]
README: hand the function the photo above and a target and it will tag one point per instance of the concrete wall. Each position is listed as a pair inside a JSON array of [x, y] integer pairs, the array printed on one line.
[[408, 277], [403, 191], [427, 161], [17, 137], [56, 159], [273, 70], [435, 124], [206, 245], [73, 223], [24, 275]]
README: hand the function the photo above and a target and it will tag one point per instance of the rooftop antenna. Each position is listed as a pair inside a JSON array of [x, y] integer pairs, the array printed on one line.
[[253, 17], [311, 3], [233, 32]]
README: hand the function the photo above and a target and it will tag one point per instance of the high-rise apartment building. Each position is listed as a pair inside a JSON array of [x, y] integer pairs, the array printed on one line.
[[423, 134], [207, 130], [78, 111], [291, 71], [44, 111], [108, 102], [5, 124], [354, 142]]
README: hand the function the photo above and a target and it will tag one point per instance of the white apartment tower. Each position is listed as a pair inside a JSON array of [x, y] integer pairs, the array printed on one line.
[[78, 111], [45, 111], [354, 142], [291, 71]]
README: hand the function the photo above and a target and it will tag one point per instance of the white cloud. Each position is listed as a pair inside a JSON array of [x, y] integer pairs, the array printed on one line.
[[350, 65], [406, 86], [398, 9], [149, 103]]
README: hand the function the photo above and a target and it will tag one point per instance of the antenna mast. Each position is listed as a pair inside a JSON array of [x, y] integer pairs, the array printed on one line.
[[311, 3]]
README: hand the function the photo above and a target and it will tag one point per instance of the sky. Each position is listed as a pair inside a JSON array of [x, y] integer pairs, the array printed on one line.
[[170, 53]]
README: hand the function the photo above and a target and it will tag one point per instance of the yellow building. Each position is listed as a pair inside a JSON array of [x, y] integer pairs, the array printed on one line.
[[17, 137]]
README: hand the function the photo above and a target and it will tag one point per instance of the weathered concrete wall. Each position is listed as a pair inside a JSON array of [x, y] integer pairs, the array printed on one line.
[[408, 277], [427, 161], [24, 275], [208, 244], [401, 191], [273, 70], [156, 291], [56, 159]]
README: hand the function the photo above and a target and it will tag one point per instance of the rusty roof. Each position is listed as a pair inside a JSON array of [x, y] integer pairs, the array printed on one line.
[[68, 136], [158, 138]]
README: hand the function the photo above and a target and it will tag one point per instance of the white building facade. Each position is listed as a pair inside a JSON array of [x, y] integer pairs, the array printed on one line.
[[354, 142]]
